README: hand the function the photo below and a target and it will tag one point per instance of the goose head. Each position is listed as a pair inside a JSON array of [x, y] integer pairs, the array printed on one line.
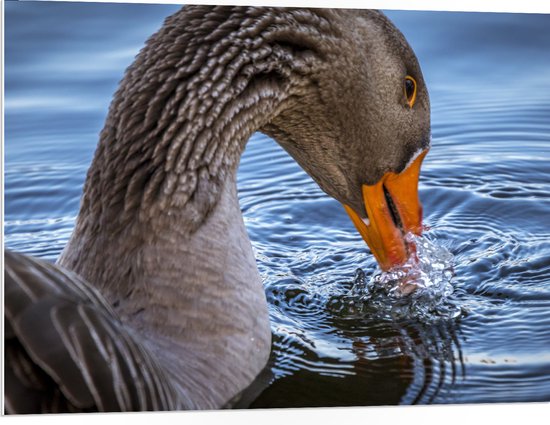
[[360, 127]]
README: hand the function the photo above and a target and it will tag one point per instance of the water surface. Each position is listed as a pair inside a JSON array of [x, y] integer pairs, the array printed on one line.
[[485, 187]]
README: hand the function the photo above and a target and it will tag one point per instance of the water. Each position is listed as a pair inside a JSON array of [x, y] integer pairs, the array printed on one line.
[[418, 290], [477, 331]]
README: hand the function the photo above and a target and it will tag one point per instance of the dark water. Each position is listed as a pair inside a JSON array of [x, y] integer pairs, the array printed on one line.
[[485, 187]]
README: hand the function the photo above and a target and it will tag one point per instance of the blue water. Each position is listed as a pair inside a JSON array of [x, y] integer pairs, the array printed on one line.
[[485, 187]]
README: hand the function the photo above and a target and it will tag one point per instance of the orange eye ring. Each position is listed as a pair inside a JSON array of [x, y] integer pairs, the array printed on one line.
[[410, 90]]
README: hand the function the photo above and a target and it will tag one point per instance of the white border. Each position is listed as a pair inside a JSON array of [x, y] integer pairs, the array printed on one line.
[[500, 414]]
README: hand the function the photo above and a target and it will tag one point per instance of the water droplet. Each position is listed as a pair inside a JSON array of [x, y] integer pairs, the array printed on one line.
[[419, 289]]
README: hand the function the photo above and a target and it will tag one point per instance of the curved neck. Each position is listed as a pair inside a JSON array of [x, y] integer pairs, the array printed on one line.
[[178, 124], [185, 109], [160, 231]]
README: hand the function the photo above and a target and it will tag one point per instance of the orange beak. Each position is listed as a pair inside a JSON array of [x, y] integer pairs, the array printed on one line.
[[393, 210]]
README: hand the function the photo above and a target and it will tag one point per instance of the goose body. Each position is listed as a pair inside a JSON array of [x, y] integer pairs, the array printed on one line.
[[156, 302]]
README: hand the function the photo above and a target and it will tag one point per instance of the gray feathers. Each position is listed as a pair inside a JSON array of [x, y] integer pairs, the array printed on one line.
[[67, 351]]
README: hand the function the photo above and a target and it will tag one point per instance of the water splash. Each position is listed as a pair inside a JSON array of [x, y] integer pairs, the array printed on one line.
[[420, 289]]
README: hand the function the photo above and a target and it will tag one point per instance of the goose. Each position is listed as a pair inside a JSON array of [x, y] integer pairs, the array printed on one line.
[[156, 302]]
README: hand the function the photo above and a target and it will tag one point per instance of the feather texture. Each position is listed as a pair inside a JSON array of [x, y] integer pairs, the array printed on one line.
[[66, 350]]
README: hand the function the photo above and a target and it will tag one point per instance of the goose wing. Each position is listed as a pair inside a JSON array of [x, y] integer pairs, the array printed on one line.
[[66, 350]]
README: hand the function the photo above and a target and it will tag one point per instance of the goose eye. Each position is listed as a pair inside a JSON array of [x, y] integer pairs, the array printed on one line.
[[410, 90]]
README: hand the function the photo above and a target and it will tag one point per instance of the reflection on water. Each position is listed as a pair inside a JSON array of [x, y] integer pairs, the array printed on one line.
[[367, 362], [352, 341], [484, 187]]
